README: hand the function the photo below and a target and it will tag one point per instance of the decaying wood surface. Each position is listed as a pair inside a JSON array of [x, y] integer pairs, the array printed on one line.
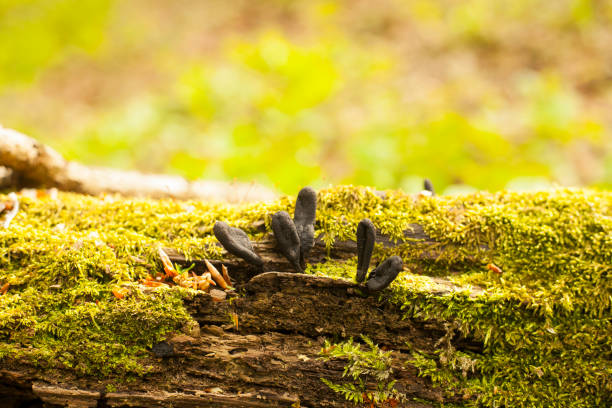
[[26, 162], [258, 346], [267, 356]]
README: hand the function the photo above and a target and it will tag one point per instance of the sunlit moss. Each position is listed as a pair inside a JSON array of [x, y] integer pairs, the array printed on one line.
[[544, 321]]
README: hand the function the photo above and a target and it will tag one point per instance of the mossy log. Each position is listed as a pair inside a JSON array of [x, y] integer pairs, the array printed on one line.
[[268, 356], [504, 300]]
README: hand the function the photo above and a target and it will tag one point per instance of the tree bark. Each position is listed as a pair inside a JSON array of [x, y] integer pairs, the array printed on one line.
[[259, 345], [26, 162]]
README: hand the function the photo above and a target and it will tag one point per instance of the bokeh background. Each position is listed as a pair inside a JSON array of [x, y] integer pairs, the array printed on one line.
[[474, 94]]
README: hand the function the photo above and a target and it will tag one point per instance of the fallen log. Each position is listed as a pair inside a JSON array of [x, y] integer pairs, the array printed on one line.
[[466, 335]]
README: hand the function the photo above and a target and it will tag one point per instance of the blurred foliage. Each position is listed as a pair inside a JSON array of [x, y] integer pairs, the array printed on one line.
[[472, 94]]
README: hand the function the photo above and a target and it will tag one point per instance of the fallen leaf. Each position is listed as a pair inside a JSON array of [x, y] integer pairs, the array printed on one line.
[[168, 267], [226, 275], [120, 292], [153, 284], [494, 268], [216, 275], [203, 285]]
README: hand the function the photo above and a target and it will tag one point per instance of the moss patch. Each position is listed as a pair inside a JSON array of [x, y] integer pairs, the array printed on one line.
[[545, 320]]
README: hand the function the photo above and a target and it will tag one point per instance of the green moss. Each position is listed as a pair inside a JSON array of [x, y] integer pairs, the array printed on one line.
[[545, 320], [364, 365], [63, 257]]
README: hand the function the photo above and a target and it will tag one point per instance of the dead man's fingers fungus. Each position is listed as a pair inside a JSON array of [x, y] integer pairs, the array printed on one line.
[[428, 186], [236, 242], [304, 219], [287, 238], [384, 274], [366, 237]]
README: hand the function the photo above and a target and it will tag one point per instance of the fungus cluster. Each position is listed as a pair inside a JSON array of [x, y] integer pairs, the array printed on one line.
[[295, 239], [384, 273]]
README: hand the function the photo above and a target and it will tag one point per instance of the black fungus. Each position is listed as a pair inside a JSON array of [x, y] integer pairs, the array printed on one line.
[[304, 219], [384, 274], [287, 238], [427, 185], [366, 237], [236, 242]]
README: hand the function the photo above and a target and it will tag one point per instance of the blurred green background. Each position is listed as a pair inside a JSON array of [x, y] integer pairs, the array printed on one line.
[[473, 94]]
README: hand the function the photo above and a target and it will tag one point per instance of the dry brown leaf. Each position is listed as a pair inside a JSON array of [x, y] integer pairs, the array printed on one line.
[[226, 275], [203, 285], [120, 292], [216, 275], [494, 268], [153, 284], [168, 267]]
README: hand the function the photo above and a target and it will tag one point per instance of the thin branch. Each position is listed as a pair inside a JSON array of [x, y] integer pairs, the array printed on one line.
[[38, 165]]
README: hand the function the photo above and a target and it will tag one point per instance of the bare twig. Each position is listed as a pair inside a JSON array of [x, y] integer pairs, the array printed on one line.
[[38, 165]]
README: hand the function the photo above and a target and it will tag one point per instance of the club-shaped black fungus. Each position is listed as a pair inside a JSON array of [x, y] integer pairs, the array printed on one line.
[[304, 218], [287, 238], [427, 185], [384, 274], [366, 237], [236, 242]]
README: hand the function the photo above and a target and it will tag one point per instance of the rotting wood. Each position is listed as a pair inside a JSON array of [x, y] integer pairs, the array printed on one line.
[[270, 359], [259, 346], [250, 344]]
